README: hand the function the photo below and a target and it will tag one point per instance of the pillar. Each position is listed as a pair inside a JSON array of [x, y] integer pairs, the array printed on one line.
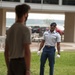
[[2, 22], [22, 1], [69, 33]]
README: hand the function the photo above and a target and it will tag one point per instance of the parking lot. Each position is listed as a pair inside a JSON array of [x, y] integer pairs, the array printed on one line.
[[36, 42]]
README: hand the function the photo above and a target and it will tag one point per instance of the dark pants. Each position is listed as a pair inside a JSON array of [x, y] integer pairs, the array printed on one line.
[[48, 52], [17, 67]]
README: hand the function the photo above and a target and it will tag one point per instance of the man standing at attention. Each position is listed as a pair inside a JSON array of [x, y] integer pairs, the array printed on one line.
[[50, 38], [17, 45]]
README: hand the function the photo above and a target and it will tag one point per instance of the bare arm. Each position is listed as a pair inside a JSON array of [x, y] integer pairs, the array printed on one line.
[[27, 56], [58, 47], [41, 44], [6, 54]]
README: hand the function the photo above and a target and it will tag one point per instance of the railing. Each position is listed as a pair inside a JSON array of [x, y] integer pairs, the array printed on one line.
[[64, 2], [68, 2], [2, 42], [12, 0], [42, 5]]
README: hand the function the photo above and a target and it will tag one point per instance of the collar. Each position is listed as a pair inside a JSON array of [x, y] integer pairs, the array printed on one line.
[[51, 32]]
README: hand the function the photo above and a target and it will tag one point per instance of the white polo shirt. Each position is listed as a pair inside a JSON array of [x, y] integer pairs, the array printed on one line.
[[51, 38]]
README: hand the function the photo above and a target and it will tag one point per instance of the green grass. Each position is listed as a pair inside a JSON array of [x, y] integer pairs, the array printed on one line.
[[65, 65], [2, 65]]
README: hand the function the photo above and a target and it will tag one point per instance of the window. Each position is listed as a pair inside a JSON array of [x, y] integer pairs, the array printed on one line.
[[68, 2], [12, 0], [33, 1], [51, 1]]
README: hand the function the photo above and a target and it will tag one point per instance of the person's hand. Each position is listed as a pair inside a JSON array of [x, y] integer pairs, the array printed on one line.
[[7, 72], [38, 52], [58, 56], [28, 73]]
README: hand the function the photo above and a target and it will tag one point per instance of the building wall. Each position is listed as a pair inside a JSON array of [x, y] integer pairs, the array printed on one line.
[[44, 6]]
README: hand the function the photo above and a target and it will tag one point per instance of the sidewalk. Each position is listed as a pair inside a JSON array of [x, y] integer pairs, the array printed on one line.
[[67, 46], [64, 46]]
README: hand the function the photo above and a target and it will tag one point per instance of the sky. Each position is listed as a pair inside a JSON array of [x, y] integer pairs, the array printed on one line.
[[39, 16]]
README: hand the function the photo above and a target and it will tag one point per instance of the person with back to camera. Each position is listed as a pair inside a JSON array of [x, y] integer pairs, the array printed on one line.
[[17, 44], [50, 38]]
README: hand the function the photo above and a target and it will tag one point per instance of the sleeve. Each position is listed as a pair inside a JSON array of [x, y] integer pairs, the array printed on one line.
[[58, 37], [43, 38], [27, 36]]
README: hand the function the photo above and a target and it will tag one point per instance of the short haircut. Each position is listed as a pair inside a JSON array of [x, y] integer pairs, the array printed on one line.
[[20, 10], [53, 24]]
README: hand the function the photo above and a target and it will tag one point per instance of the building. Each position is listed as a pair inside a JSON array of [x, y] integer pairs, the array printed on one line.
[[66, 7]]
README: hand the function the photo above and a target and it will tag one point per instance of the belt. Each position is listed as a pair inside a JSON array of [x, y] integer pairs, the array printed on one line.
[[49, 46], [17, 58]]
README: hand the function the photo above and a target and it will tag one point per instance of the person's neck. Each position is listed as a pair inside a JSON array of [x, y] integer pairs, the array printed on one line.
[[51, 31], [20, 21]]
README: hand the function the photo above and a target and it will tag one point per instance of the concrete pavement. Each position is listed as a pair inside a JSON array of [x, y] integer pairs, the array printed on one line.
[[35, 45], [64, 46]]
